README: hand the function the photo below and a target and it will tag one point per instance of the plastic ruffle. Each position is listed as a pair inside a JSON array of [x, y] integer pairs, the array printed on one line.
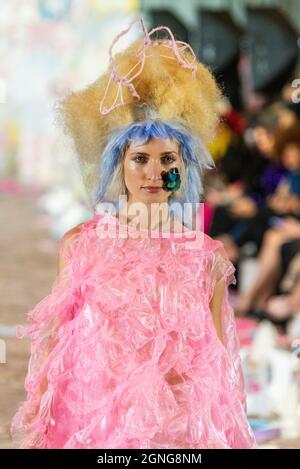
[[124, 352]]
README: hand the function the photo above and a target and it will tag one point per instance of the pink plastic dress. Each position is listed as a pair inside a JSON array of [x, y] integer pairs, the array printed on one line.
[[124, 352]]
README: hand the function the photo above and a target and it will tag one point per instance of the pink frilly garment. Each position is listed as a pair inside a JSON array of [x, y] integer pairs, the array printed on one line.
[[124, 352]]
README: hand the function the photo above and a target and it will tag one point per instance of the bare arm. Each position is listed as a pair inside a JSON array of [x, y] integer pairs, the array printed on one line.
[[216, 303], [41, 347], [66, 246]]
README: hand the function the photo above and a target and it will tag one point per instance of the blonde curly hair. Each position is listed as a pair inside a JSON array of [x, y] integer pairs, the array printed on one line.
[[166, 90]]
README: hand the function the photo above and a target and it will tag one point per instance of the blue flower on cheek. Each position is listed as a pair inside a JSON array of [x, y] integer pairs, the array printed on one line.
[[171, 180]]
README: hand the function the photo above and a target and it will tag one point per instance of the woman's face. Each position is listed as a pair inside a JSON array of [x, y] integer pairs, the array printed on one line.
[[291, 157], [143, 165], [264, 141]]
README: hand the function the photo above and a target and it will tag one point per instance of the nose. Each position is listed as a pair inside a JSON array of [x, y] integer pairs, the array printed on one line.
[[154, 170]]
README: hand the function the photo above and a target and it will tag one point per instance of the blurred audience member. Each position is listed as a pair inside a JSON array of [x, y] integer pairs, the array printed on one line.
[[273, 267]]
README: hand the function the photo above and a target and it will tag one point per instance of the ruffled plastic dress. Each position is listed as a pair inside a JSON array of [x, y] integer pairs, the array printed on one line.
[[124, 351]]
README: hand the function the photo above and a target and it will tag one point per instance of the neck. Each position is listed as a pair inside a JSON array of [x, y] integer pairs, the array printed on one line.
[[152, 217]]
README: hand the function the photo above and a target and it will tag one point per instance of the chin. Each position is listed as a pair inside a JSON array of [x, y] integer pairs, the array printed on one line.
[[154, 198]]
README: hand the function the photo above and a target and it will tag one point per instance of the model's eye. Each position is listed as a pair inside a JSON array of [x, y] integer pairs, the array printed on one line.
[[140, 159], [168, 159]]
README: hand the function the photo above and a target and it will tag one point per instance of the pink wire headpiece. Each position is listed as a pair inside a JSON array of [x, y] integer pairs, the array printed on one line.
[[126, 80]]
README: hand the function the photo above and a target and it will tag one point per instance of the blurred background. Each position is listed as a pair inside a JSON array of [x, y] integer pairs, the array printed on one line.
[[252, 203]]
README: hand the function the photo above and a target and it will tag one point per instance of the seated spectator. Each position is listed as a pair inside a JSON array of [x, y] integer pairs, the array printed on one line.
[[270, 271]]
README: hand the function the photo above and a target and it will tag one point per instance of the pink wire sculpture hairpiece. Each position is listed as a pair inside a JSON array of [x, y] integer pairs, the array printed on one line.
[[126, 80]]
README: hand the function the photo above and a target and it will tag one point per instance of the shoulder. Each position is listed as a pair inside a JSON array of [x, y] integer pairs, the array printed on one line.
[[73, 231], [211, 245], [69, 239], [73, 237], [70, 234], [66, 246]]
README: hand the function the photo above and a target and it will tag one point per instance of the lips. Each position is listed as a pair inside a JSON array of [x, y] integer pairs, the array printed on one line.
[[152, 189]]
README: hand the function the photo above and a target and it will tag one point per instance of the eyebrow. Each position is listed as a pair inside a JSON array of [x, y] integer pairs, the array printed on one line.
[[147, 154]]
